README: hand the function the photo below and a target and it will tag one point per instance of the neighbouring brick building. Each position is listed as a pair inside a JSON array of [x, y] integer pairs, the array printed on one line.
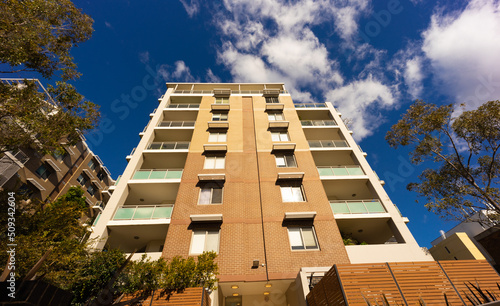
[[48, 176], [273, 187]]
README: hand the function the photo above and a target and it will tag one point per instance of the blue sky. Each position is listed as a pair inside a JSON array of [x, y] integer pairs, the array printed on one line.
[[370, 58]]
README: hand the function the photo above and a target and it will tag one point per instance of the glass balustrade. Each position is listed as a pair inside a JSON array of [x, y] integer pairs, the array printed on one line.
[[157, 174], [328, 144], [144, 212], [176, 124], [183, 106], [357, 207], [318, 123], [168, 146], [309, 105], [340, 171]]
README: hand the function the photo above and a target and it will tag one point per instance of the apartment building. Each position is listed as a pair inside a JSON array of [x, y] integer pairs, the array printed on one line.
[[48, 176], [272, 186]]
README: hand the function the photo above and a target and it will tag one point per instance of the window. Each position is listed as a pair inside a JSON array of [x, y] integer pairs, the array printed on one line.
[[217, 137], [292, 192], [92, 165], [101, 175], [272, 100], [214, 162], [24, 190], [219, 117], [303, 238], [222, 100], [204, 241], [275, 116], [91, 190], [43, 172], [280, 136], [81, 179], [285, 160], [211, 194], [59, 157]]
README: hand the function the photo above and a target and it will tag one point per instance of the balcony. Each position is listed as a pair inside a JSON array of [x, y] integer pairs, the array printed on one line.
[[157, 174], [353, 207], [318, 123], [328, 144], [176, 124], [144, 212], [341, 171], [169, 145], [183, 106]]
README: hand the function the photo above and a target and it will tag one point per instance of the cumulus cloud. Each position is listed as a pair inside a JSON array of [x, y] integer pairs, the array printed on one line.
[[413, 77], [362, 101], [464, 51]]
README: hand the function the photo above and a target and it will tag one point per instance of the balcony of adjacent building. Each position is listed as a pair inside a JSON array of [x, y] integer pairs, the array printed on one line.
[[183, 104]]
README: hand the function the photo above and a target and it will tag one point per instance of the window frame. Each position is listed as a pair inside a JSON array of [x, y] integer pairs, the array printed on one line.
[[272, 100], [218, 136], [280, 136], [291, 185], [284, 154], [43, 174], [223, 100], [304, 247], [84, 179], [271, 116], [220, 116], [204, 241], [94, 190], [215, 157], [92, 164], [212, 187]]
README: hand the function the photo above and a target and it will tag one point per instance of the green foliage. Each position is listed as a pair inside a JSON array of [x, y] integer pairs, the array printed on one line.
[[465, 149], [93, 273], [37, 35], [40, 227], [143, 277]]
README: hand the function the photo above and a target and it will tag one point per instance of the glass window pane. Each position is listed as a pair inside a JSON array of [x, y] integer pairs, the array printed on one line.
[[357, 207], [212, 241], [340, 171], [340, 144], [212, 137], [297, 194], [219, 162], [222, 137], [198, 242], [217, 196], [182, 146], [286, 194], [355, 170], [309, 239], [284, 137], [279, 116], [375, 207], [340, 208], [328, 143], [143, 213], [205, 195], [162, 213], [295, 239], [209, 162], [290, 160], [314, 144], [141, 175], [124, 213], [168, 146], [275, 136], [158, 174], [155, 146], [280, 161]]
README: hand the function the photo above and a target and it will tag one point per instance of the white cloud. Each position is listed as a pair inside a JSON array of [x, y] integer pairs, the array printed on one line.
[[464, 51], [182, 73], [413, 77], [211, 77], [108, 25], [361, 101], [144, 57], [191, 8]]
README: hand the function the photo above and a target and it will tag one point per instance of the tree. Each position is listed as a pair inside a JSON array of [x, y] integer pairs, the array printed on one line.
[[37, 36], [464, 147]]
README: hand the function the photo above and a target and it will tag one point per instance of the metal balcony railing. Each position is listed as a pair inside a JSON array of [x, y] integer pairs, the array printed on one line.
[[328, 144], [157, 174], [309, 105], [235, 92], [180, 145], [176, 124], [183, 106], [340, 171], [318, 123], [144, 212], [357, 207]]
